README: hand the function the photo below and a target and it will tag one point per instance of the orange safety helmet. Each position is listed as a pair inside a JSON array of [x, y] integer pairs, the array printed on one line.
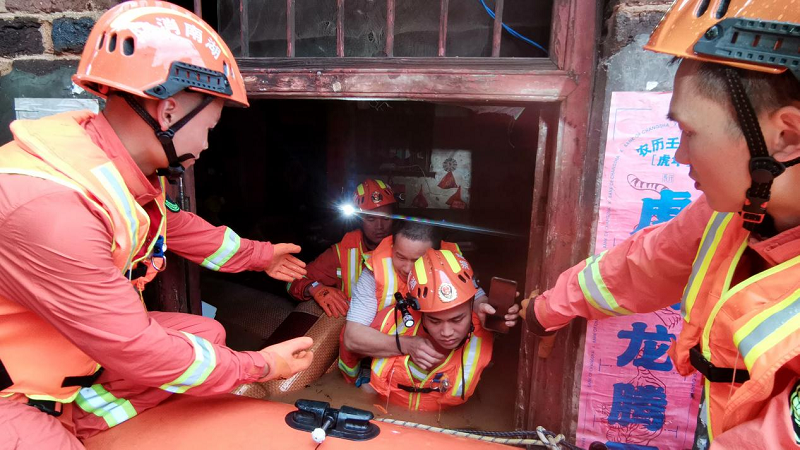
[[752, 35], [740, 34], [372, 194], [155, 49], [441, 280]]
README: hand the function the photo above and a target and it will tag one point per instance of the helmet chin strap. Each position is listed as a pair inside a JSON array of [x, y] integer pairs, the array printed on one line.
[[175, 170], [763, 167]]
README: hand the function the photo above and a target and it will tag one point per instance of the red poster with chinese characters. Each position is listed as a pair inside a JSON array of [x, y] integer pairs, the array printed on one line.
[[631, 396]]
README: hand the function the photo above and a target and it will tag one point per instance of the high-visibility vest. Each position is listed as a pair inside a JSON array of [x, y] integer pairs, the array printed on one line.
[[350, 251], [753, 325], [37, 357], [386, 280], [443, 383], [386, 284]]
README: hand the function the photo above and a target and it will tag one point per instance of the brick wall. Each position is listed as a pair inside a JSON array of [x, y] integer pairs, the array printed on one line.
[[40, 45]]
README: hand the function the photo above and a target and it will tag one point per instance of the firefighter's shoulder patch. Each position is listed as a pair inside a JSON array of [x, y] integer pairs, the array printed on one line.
[[794, 408], [172, 206]]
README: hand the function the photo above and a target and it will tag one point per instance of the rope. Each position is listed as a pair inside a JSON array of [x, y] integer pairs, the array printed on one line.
[[545, 439]]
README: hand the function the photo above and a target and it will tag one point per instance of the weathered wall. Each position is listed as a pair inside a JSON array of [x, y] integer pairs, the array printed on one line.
[[40, 44], [624, 65]]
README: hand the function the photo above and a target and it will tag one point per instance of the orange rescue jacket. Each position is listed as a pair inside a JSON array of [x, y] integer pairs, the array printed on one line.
[[379, 261], [753, 325], [442, 387], [734, 318], [39, 360], [351, 260]]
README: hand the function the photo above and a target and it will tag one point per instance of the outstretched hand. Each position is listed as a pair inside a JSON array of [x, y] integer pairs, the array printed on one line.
[[287, 358], [285, 266]]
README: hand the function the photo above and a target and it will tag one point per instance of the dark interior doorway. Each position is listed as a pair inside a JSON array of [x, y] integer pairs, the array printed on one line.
[[277, 170]]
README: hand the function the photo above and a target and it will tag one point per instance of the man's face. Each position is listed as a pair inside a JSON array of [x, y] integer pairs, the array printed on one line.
[[710, 144], [405, 253], [376, 228], [193, 137], [449, 328]]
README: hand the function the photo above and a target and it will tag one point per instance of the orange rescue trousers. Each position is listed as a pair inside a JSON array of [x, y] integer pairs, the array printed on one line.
[[31, 429]]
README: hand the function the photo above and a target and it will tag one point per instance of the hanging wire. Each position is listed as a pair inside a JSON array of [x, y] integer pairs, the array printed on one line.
[[512, 31]]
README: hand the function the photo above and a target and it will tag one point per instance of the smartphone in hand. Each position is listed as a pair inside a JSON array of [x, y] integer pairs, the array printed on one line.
[[502, 293]]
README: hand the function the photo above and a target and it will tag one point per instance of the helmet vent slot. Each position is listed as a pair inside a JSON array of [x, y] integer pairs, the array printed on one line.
[[723, 8], [127, 46], [102, 39], [425, 292], [112, 43], [702, 7]]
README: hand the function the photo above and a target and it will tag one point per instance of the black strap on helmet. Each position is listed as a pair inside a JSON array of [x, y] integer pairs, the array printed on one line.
[[175, 170], [763, 167]]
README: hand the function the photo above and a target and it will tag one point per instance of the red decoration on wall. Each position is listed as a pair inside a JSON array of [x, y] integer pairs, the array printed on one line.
[[419, 201], [448, 181], [455, 200]]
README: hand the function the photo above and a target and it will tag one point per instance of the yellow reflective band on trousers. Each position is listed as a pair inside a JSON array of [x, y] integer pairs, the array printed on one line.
[[230, 245], [98, 401], [112, 181], [205, 360], [708, 246], [595, 290], [350, 371], [470, 363], [768, 328]]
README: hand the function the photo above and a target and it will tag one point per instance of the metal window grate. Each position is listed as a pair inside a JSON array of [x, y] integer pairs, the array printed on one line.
[[243, 8]]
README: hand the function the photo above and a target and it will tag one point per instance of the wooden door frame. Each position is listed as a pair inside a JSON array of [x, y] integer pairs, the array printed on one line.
[[563, 203]]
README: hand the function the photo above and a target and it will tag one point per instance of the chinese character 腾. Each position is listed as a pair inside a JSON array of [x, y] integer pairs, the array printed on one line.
[[642, 405]]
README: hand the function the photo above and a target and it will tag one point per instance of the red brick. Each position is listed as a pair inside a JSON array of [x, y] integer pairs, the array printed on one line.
[[102, 5], [20, 37], [47, 6]]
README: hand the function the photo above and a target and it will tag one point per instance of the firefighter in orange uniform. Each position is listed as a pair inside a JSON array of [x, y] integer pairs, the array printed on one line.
[[732, 258], [332, 276], [388, 269], [82, 206], [440, 301]]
